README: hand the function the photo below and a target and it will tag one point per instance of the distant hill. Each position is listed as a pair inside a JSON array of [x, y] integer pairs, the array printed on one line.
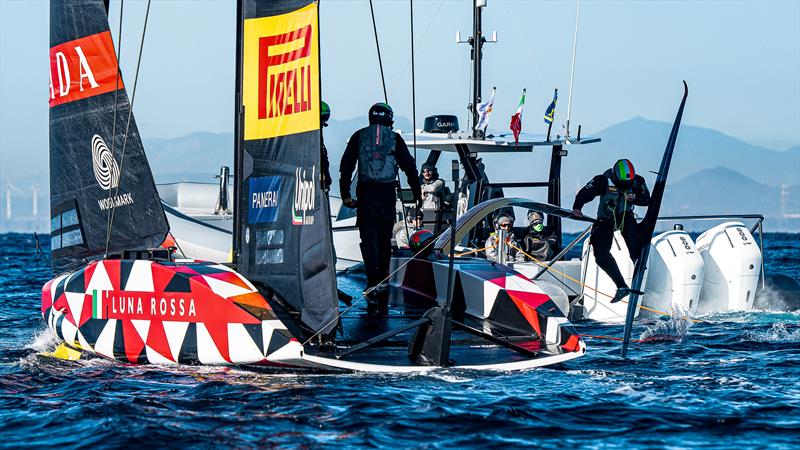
[[711, 172], [642, 141]]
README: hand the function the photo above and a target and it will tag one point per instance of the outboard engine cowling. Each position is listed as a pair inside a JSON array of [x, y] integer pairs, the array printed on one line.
[[732, 268], [674, 273]]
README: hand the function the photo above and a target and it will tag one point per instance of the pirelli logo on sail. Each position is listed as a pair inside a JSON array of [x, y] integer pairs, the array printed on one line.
[[83, 68], [281, 74]]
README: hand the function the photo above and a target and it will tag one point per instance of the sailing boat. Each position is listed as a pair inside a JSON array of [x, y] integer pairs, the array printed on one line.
[[121, 293]]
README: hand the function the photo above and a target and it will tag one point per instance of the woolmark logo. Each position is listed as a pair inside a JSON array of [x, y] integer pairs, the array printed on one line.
[[304, 198], [106, 170]]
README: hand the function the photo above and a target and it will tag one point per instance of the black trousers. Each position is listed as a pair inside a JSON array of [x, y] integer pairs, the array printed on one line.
[[602, 238], [376, 248]]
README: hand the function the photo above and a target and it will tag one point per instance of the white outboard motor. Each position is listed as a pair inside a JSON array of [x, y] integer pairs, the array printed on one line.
[[596, 301], [732, 268], [674, 272]]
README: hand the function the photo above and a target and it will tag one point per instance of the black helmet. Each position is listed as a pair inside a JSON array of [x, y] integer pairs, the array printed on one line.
[[381, 113], [324, 113], [432, 168]]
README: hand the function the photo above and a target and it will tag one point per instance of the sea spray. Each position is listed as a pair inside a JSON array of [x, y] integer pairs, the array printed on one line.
[[673, 328], [778, 333]]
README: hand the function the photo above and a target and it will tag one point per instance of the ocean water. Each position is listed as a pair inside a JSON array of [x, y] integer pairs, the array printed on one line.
[[732, 380]]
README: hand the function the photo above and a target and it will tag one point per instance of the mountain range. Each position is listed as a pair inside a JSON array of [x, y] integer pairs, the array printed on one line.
[[711, 172]]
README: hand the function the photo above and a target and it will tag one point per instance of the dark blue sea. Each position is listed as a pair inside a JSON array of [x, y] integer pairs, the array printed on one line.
[[732, 381]]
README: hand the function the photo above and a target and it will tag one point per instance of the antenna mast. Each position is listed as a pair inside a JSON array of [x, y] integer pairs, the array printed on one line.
[[476, 41]]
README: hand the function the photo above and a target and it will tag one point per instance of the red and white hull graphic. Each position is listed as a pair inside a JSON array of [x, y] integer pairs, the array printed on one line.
[[163, 313]]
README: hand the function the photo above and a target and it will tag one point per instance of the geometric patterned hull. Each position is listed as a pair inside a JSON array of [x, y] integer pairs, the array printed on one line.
[[183, 312], [493, 294]]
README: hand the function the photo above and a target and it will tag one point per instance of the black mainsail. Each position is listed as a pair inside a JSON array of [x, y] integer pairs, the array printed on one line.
[[283, 221], [97, 162]]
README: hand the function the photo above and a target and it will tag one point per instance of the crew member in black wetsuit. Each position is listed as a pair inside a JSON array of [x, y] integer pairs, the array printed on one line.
[[379, 152], [619, 189], [325, 171]]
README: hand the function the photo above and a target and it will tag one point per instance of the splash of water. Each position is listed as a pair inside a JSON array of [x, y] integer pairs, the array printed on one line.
[[672, 329], [776, 334]]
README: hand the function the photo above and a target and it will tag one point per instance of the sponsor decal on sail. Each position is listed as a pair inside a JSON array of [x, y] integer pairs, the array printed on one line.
[[281, 74], [304, 197], [107, 173], [264, 197], [83, 68]]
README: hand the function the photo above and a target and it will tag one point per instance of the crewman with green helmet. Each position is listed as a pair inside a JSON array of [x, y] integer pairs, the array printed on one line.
[[619, 189], [325, 170]]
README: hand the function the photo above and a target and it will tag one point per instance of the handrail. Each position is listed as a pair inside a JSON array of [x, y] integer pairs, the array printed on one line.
[[561, 254]]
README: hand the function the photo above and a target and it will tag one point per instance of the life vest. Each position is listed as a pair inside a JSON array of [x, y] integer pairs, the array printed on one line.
[[376, 160], [612, 204]]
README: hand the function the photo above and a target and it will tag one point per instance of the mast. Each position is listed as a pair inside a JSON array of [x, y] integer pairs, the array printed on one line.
[[237, 132]]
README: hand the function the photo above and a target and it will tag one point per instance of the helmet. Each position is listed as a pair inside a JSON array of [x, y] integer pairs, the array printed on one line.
[[324, 113], [622, 171], [534, 217], [381, 113], [432, 168], [419, 239], [502, 218]]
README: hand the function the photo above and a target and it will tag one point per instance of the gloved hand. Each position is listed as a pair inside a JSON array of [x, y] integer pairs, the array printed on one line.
[[630, 196], [577, 213], [350, 202]]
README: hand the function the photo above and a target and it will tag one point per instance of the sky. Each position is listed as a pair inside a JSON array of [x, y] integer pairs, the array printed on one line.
[[741, 60]]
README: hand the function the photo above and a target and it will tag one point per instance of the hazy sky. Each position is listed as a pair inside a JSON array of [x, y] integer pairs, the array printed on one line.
[[741, 59]]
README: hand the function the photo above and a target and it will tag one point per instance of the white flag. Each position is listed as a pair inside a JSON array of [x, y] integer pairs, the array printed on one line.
[[484, 110]]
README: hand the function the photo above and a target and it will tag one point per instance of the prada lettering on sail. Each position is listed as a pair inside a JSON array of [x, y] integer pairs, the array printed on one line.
[[281, 74], [83, 68]]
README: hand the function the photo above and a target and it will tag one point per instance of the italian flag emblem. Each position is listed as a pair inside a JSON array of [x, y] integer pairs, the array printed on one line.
[[98, 311]]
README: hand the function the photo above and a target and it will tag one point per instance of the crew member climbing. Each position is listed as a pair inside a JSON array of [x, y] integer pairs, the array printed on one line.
[[619, 189], [379, 152]]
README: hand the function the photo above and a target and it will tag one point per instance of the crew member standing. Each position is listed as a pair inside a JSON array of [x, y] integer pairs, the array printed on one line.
[[619, 189], [325, 172], [379, 152]]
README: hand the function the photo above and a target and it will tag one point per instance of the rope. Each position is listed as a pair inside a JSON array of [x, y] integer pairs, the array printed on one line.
[[378, 46], [458, 255], [367, 292], [114, 119], [550, 268], [422, 38], [130, 115]]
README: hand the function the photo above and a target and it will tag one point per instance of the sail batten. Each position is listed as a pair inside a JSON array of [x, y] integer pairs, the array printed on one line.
[[284, 219]]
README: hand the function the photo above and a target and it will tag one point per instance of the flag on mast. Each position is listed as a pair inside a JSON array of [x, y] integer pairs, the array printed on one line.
[[516, 119], [484, 110], [550, 113]]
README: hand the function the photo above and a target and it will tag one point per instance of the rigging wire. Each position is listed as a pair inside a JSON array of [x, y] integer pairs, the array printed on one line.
[[572, 71], [378, 47], [130, 115], [421, 39], [114, 119], [413, 86], [368, 292]]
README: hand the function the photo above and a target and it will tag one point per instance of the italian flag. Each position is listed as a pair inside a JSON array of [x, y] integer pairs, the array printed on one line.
[[516, 119], [97, 305]]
